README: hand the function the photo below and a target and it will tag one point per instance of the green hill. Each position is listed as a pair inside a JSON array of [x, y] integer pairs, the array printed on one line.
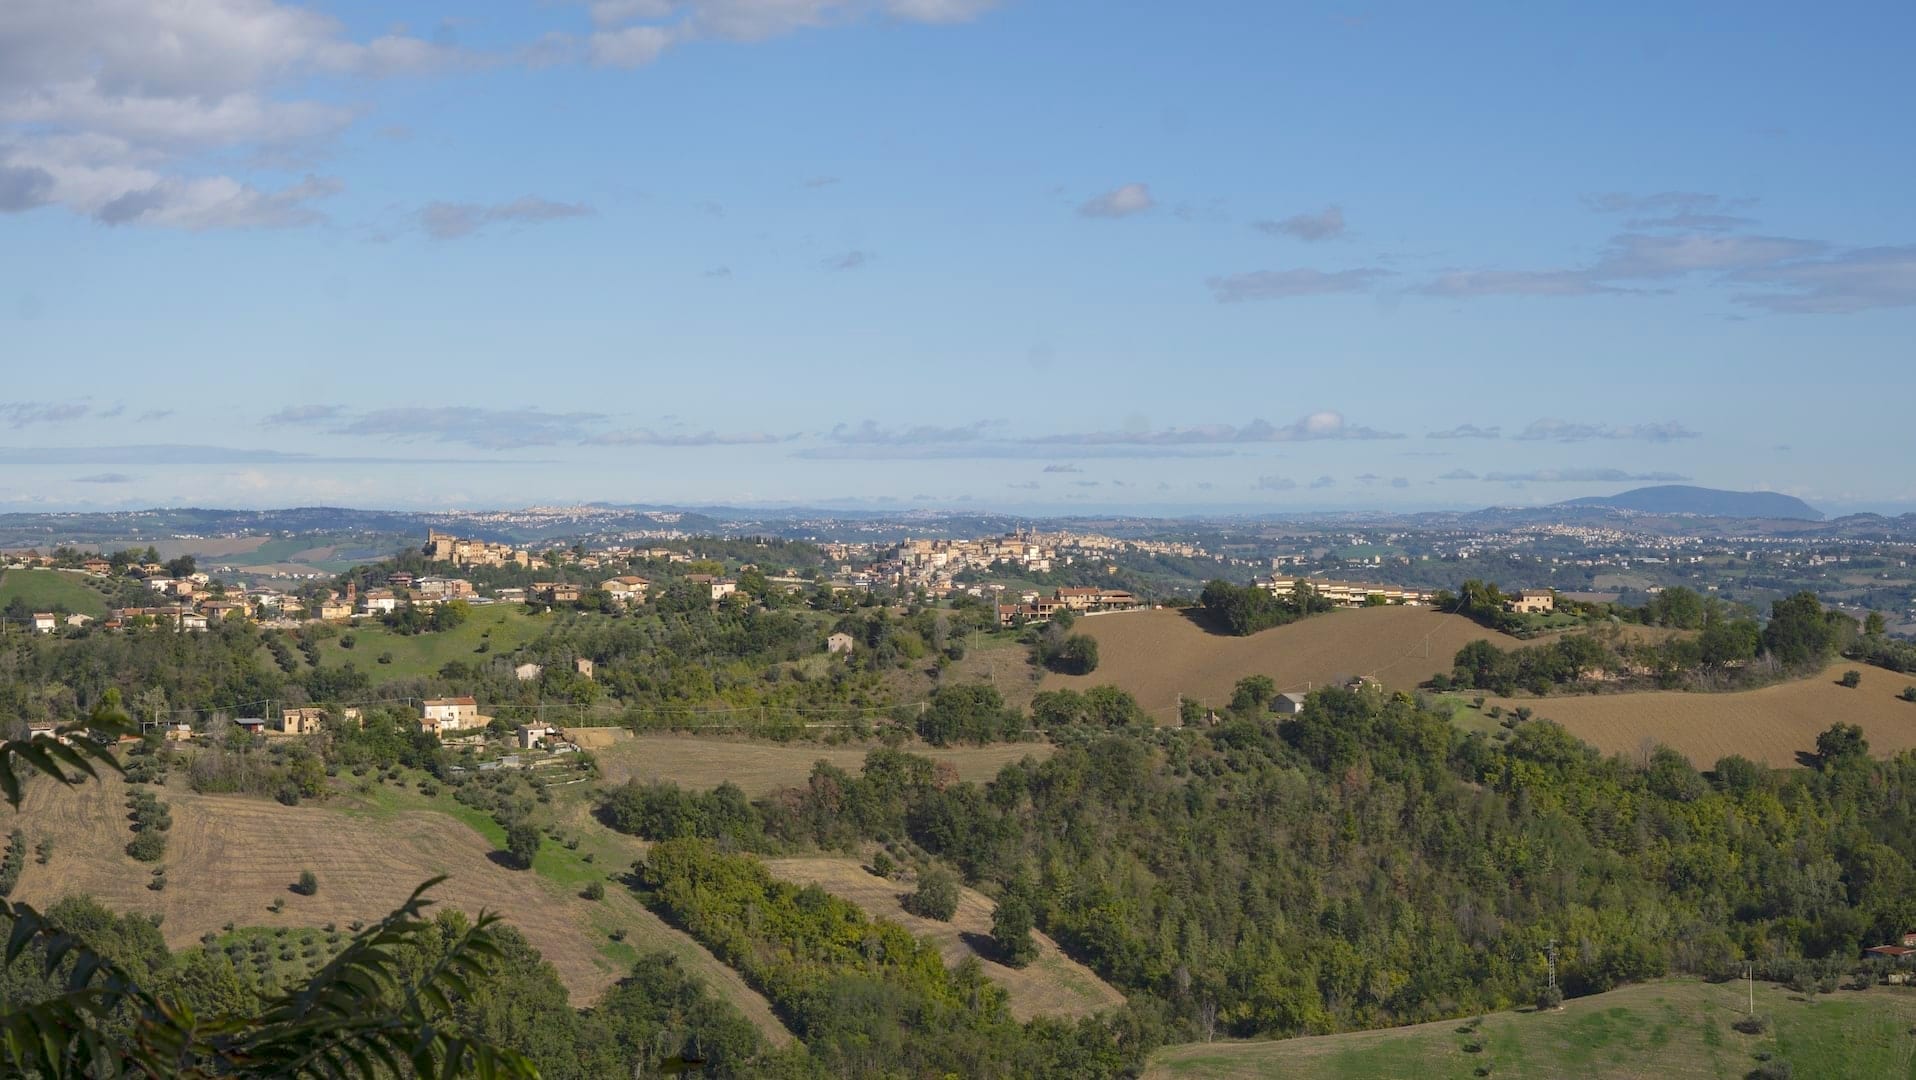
[[1674, 1030], [48, 590]]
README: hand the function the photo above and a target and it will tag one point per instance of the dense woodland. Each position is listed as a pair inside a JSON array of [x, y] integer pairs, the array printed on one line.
[[1364, 864]]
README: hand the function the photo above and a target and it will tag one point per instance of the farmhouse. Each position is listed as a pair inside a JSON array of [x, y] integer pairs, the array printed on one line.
[[1533, 602], [45, 622], [555, 592], [840, 642], [179, 731], [379, 602], [306, 721], [78, 620], [448, 714], [97, 566], [627, 589], [531, 735], [583, 666], [251, 725], [1288, 704]]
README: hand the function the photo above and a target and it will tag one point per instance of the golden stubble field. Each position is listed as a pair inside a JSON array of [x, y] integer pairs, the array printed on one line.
[[1158, 655], [1773, 725], [1052, 985]]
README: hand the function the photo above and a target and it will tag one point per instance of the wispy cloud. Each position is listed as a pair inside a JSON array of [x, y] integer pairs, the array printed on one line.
[[155, 454], [820, 181], [1468, 431], [1325, 224], [848, 260], [1274, 483], [1458, 474], [452, 220], [1581, 476], [869, 433], [1323, 482], [1851, 281], [1322, 425], [1119, 202], [305, 414], [1566, 431], [632, 33], [1062, 469], [105, 478], [649, 437], [20, 414], [1024, 485], [484, 429], [1285, 284], [155, 415]]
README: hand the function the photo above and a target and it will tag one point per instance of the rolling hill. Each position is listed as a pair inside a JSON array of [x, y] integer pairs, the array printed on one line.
[[1159, 655], [1706, 502], [1674, 1030]]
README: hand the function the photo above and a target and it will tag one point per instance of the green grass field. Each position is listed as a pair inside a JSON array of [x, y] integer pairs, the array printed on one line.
[[503, 627], [1673, 1030], [45, 590]]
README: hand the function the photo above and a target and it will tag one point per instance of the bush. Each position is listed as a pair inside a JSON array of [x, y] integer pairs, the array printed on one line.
[[385, 658], [936, 896], [1771, 1070], [15, 861], [308, 883], [883, 866], [1852, 679], [594, 890], [43, 851], [522, 843], [147, 847], [1550, 997], [1909, 693], [1752, 1025], [278, 905]]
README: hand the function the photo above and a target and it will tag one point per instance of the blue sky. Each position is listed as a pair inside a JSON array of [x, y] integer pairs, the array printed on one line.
[[1025, 254]]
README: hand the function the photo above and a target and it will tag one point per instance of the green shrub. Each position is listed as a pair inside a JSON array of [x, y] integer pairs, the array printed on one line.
[[936, 896], [308, 883]]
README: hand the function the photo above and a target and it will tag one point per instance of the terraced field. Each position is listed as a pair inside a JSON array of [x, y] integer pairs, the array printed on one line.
[[228, 858]]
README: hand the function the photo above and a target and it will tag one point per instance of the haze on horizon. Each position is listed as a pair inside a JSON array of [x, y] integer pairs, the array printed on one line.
[[1021, 254]]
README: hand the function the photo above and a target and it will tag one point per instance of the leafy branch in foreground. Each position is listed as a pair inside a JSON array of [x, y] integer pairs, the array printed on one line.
[[354, 1018]]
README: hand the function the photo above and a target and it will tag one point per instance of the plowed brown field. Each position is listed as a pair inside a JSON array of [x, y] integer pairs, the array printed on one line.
[[1774, 724], [1052, 985], [1158, 655]]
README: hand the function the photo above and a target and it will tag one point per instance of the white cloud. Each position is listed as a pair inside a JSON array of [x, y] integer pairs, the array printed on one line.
[[629, 46], [129, 111], [1119, 202], [1566, 431]]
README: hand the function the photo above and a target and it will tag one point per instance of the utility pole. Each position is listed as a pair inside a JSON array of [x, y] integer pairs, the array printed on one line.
[[1750, 970], [1553, 963]]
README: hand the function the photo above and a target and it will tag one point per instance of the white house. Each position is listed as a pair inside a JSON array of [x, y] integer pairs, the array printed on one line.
[[448, 714], [45, 622], [1288, 704], [527, 672], [840, 642]]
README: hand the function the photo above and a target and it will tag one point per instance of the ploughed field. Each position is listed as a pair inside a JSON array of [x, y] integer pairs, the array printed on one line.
[[1774, 724], [1159, 655]]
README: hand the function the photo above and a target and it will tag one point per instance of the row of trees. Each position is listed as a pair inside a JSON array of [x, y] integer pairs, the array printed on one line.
[[1246, 609]]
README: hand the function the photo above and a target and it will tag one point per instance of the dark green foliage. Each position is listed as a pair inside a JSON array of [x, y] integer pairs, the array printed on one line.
[[1550, 997], [1851, 678], [308, 884], [594, 890], [1800, 633], [1909, 693], [1840, 742], [936, 896], [1752, 1024], [522, 842], [968, 714], [662, 811], [1011, 929], [14, 862], [1246, 609], [1100, 706]]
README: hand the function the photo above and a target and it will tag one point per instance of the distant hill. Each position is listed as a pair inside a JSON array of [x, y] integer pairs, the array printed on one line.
[[1709, 502]]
